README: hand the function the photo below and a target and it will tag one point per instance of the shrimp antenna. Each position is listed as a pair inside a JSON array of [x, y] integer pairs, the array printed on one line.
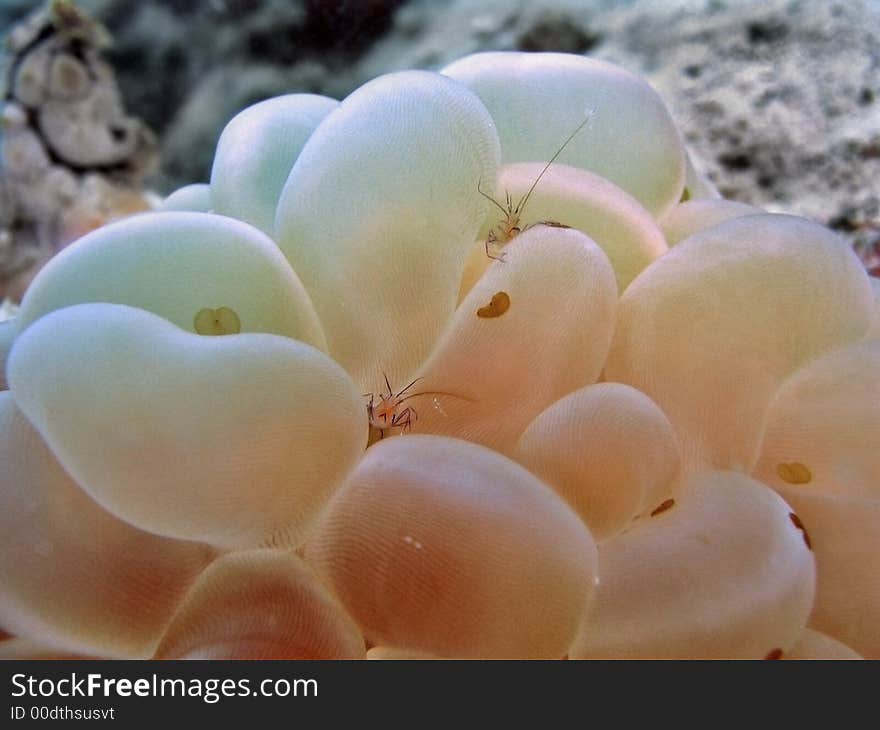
[[436, 392], [522, 203], [490, 198], [403, 390], [387, 384]]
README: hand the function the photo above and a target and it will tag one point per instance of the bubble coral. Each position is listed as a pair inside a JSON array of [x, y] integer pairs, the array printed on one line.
[[594, 445]]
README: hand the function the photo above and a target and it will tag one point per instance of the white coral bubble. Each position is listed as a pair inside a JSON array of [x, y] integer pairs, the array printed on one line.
[[260, 604], [820, 453], [538, 99], [73, 576], [174, 264], [232, 440], [256, 152], [823, 425], [694, 215], [710, 330], [379, 212], [441, 546], [195, 198], [608, 450], [722, 573]]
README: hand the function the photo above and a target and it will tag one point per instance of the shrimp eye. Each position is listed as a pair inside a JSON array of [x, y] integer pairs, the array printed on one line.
[[222, 321]]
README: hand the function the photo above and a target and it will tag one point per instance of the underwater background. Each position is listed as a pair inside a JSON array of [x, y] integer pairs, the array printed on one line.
[[778, 99]]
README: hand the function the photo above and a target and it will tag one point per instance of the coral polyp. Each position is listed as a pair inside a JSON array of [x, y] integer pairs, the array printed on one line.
[[648, 431]]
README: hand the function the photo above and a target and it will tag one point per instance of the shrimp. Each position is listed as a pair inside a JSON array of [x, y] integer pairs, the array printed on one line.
[[386, 414], [511, 225]]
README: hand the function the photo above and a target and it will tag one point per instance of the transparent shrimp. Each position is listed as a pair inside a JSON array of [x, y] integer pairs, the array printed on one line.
[[385, 413], [511, 224]]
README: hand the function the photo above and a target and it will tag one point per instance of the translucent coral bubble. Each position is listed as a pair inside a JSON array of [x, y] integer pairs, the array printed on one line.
[[232, 440], [379, 212], [694, 215], [572, 197], [816, 645], [823, 425], [193, 198], [538, 99], [174, 264], [510, 367], [441, 546], [844, 532], [723, 573], [608, 450], [256, 151], [71, 575], [260, 604], [709, 330]]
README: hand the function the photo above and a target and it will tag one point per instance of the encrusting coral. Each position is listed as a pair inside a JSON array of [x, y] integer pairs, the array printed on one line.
[[646, 427]]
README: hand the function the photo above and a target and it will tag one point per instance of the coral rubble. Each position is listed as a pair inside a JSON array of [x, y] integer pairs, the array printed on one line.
[[70, 158]]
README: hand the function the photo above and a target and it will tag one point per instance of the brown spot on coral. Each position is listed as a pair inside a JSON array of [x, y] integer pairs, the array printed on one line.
[[796, 521], [665, 505], [794, 473], [213, 322], [498, 305], [774, 654]]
